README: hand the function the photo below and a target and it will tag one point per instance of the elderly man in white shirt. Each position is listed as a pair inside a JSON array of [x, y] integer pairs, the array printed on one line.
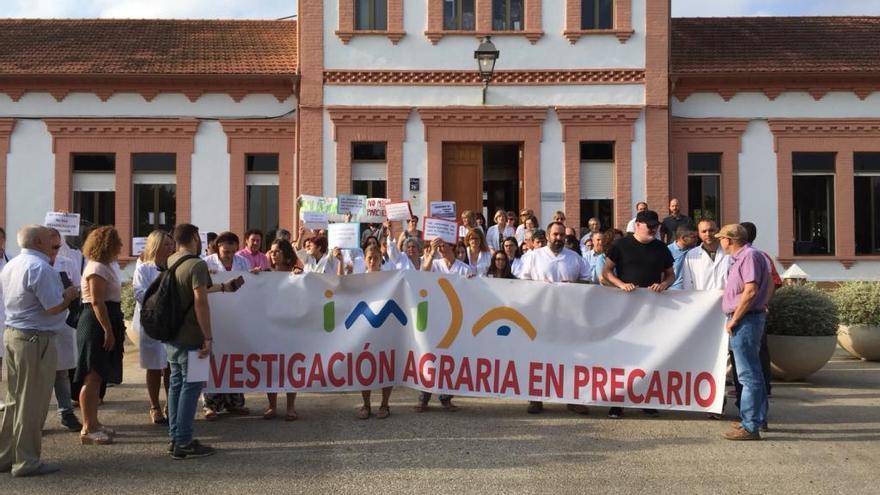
[[555, 263], [705, 267]]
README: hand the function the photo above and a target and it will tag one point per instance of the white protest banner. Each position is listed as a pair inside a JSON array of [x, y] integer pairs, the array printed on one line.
[[138, 244], [344, 235], [375, 211], [351, 203], [398, 212], [64, 223], [566, 343], [443, 209], [446, 230]]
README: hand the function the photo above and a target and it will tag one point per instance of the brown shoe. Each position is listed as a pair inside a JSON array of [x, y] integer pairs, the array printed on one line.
[[535, 407], [741, 434]]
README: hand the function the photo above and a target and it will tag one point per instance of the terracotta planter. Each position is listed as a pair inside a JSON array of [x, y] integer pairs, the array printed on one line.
[[794, 358], [862, 341], [132, 335]]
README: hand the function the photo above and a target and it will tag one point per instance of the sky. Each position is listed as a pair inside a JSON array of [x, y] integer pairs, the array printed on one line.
[[273, 9]]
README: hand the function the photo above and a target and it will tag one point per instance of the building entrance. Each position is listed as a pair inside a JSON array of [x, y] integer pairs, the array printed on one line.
[[483, 177]]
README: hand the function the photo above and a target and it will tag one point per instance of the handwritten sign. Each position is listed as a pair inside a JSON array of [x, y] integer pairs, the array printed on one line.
[[64, 223], [315, 220], [316, 203], [138, 244], [398, 212], [446, 230], [375, 211], [443, 209], [351, 203], [344, 235]]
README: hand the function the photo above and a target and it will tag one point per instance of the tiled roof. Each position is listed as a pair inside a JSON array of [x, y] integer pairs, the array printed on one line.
[[728, 45], [154, 46]]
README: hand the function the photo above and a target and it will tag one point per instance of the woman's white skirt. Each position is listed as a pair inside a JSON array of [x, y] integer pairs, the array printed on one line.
[[153, 355]]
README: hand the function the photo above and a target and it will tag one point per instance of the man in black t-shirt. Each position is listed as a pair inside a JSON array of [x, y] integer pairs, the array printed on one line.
[[674, 221], [639, 260]]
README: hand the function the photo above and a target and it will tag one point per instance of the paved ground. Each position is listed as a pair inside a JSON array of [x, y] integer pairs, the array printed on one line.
[[824, 439]]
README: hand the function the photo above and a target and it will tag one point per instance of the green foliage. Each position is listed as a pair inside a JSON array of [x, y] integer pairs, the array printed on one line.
[[128, 301], [858, 303], [802, 310]]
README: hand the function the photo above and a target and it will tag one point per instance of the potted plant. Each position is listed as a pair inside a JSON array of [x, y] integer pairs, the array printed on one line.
[[127, 306], [801, 331], [858, 307]]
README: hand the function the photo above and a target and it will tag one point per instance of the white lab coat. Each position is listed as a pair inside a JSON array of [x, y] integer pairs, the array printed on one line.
[[492, 236], [699, 272]]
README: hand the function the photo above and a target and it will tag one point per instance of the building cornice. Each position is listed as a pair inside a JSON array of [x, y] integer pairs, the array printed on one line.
[[683, 128], [772, 85], [472, 78]]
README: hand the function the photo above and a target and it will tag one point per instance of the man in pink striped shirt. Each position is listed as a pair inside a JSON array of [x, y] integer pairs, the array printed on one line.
[[253, 242]]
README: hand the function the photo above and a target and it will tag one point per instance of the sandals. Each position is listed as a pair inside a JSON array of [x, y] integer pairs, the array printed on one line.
[[211, 415], [421, 407], [448, 406], [291, 416], [270, 414], [97, 437], [384, 412], [364, 412], [157, 417], [107, 430]]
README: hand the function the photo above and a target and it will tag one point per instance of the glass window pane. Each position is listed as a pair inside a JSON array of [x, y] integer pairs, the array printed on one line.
[[450, 14], [606, 14], [866, 162], [368, 151], [362, 14], [704, 162], [603, 209], [588, 14], [261, 163], [155, 207], [380, 14], [597, 151], [468, 16], [369, 188], [153, 162], [704, 197], [517, 15], [813, 214], [262, 210], [94, 162], [812, 162], [867, 214], [499, 15], [95, 207]]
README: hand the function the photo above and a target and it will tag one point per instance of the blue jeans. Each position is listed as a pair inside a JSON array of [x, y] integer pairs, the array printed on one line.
[[62, 393], [183, 396], [746, 346]]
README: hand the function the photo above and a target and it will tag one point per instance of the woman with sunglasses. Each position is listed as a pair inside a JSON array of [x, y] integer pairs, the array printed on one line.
[[478, 255]]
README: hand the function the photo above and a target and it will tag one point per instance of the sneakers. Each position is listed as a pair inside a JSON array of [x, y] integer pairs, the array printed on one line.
[[615, 413], [741, 434], [70, 421], [170, 447], [42, 469], [193, 450]]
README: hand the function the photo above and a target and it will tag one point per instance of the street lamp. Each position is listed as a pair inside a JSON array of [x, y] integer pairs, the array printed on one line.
[[486, 56]]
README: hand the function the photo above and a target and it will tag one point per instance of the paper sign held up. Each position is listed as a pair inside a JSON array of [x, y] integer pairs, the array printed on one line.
[[446, 230], [443, 209], [315, 220], [398, 212], [344, 235], [375, 210], [138, 244], [64, 223], [351, 203]]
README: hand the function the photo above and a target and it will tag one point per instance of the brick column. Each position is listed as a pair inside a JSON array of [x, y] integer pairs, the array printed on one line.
[[657, 104], [6, 126]]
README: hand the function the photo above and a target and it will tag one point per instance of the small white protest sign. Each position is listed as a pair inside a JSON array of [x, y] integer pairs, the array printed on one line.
[[344, 235], [398, 212], [443, 209], [64, 223], [315, 219], [138, 244], [446, 230], [351, 203]]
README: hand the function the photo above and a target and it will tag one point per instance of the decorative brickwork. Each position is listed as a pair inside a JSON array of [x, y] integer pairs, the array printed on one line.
[[6, 126], [472, 78], [532, 31]]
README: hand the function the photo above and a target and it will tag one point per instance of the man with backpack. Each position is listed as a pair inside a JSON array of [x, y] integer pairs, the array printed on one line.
[[192, 284]]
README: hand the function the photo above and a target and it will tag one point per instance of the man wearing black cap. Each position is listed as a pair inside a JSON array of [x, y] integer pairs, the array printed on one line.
[[639, 260]]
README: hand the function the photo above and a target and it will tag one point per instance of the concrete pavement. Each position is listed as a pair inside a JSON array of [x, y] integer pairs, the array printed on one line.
[[824, 439]]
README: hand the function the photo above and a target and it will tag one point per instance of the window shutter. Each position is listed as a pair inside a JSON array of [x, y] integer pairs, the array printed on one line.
[[597, 180]]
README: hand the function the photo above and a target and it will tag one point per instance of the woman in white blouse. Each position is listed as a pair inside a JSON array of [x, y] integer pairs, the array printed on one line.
[[225, 259], [153, 358], [315, 257], [478, 255], [498, 232]]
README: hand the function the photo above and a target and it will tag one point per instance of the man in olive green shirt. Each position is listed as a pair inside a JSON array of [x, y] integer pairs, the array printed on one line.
[[193, 286]]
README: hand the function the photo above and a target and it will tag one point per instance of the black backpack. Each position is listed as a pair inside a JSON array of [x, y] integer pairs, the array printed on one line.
[[161, 312]]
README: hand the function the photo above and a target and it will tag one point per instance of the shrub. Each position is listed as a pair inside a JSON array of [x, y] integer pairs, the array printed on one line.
[[802, 310], [858, 303], [128, 301]]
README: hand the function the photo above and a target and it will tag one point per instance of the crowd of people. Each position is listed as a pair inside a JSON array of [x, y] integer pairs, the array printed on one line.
[[50, 288]]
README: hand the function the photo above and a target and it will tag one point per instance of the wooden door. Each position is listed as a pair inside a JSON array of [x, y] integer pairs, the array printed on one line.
[[463, 175]]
